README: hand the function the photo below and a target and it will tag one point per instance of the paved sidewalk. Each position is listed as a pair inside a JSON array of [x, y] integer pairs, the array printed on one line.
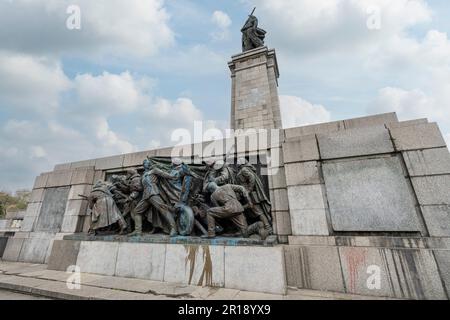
[[35, 279]]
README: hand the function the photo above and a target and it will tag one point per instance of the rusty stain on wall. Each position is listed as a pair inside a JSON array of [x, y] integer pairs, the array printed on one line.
[[205, 278]]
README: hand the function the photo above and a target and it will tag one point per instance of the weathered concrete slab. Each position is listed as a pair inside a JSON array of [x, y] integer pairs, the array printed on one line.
[[72, 224], [309, 222], [427, 162], [52, 211], [422, 136], [432, 190], [443, 262], [282, 222], [83, 176], [98, 257], [306, 197], [76, 208], [328, 127], [195, 265], [414, 274], [303, 173], [277, 178], [143, 261], [34, 250], [365, 271], [83, 164], [369, 195], [302, 149], [64, 254], [113, 162], [77, 191], [41, 181], [355, 142], [315, 268], [136, 159], [261, 270], [279, 200], [437, 219], [369, 121], [3, 243], [406, 123], [37, 195], [59, 179]]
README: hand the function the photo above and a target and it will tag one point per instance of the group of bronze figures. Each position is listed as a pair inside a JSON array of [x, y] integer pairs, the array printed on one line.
[[174, 198]]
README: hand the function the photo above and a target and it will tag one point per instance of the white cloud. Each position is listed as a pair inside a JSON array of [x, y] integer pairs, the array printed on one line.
[[296, 111], [31, 84], [137, 27], [221, 19], [223, 22]]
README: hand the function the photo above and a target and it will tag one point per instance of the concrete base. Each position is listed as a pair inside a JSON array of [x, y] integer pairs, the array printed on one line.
[[404, 268], [256, 268], [3, 242]]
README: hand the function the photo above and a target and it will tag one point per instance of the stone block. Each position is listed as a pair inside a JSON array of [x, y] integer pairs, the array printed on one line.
[[59, 179], [414, 274], [376, 120], [164, 152], [137, 159], [283, 222], [52, 211], [293, 133], [406, 123], [72, 224], [98, 257], [427, 162], [370, 195], [33, 209], [77, 191], [422, 136], [83, 176], [303, 149], [41, 181], [316, 268], [277, 178], [34, 250], [141, 260], [359, 265], [37, 195], [432, 190], [3, 243], [195, 265], [355, 142], [28, 223], [437, 219], [303, 173], [83, 164], [275, 158], [246, 268], [64, 254], [76, 208], [63, 166], [279, 200], [443, 262], [107, 163], [12, 250], [306, 197], [309, 222]]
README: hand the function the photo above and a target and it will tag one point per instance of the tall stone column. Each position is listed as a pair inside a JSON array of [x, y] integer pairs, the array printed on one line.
[[254, 98]]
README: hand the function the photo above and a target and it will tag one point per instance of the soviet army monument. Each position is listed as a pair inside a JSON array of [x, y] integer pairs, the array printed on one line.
[[322, 207]]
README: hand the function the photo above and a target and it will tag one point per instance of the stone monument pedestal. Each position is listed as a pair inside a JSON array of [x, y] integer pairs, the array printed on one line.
[[254, 98]]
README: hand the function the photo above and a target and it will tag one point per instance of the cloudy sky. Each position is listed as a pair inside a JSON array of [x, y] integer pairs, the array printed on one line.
[[138, 69]]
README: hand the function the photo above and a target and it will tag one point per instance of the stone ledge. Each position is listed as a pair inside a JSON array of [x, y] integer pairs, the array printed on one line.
[[164, 239]]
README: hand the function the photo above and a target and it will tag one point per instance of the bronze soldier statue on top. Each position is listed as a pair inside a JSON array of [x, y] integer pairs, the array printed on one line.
[[252, 36]]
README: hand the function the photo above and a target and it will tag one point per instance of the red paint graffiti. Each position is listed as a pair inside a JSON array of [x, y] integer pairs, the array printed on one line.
[[355, 259]]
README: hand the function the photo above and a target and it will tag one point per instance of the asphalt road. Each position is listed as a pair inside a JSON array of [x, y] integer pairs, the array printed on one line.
[[9, 295]]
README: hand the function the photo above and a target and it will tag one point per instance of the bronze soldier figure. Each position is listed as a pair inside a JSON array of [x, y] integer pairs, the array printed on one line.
[[151, 199], [252, 36], [260, 208]]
